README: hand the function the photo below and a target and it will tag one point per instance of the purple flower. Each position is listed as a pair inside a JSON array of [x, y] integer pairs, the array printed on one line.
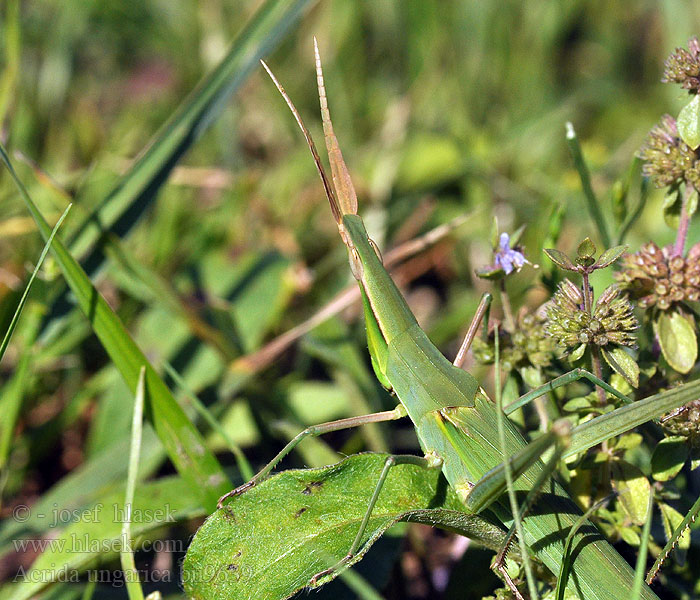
[[507, 258]]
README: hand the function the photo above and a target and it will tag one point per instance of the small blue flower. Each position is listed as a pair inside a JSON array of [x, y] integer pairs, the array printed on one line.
[[507, 258]]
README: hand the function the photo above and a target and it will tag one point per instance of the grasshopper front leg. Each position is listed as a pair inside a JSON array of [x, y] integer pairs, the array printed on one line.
[[427, 462], [314, 431]]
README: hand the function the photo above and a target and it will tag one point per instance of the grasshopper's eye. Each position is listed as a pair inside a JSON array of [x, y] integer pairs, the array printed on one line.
[[355, 263], [376, 249]]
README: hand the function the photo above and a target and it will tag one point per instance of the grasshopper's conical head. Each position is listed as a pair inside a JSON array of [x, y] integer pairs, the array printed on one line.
[[344, 189]]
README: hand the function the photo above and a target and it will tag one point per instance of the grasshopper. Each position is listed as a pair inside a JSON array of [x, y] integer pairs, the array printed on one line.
[[455, 420]]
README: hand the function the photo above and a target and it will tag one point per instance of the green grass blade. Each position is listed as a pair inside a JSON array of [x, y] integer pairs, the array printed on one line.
[[131, 577], [82, 487], [636, 212], [635, 594], [566, 561], [182, 441], [23, 299], [627, 417], [12, 393], [72, 549], [515, 509], [241, 461], [591, 199], [359, 585], [135, 190]]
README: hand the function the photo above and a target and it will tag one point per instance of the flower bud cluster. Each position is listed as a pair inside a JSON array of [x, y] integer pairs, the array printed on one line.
[[686, 423], [683, 66], [656, 278], [529, 345], [668, 160], [611, 321]]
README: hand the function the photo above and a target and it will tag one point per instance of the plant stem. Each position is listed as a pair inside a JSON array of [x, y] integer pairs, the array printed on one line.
[[598, 372], [587, 301], [595, 354], [507, 309], [682, 234]]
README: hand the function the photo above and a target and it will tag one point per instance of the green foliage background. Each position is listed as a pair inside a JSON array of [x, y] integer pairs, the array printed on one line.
[[441, 108]]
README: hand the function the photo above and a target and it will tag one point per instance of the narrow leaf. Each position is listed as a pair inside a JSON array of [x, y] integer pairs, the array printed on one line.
[[560, 259], [589, 194], [181, 439], [610, 256], [630, 416], [131, 576], [134, 192], [23, 299], [636, 592], [677, 339], [72, 550]]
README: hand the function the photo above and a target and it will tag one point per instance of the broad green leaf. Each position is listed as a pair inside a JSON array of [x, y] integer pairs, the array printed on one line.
[[624, 364], [257, 288], [671, 207], [576, 404], [560, 259], [669, 457], [672, 520], [633, 490], [689, 122], [677, 339], [99, 526], [270, 541], [630, 536], [181, 439], [628, 441], [577, 353]]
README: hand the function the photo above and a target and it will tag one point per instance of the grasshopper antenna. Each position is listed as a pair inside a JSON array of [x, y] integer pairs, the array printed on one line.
[[342, 182], [335, 208]]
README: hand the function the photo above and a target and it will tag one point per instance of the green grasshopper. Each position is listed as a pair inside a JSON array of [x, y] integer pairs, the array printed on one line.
[[456, 422]]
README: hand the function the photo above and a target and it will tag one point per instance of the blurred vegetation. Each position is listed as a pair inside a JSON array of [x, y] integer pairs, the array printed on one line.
[[441, 108]]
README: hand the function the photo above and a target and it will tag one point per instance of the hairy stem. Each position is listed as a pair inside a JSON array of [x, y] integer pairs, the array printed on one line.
[[682, 233], [598, 372]]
